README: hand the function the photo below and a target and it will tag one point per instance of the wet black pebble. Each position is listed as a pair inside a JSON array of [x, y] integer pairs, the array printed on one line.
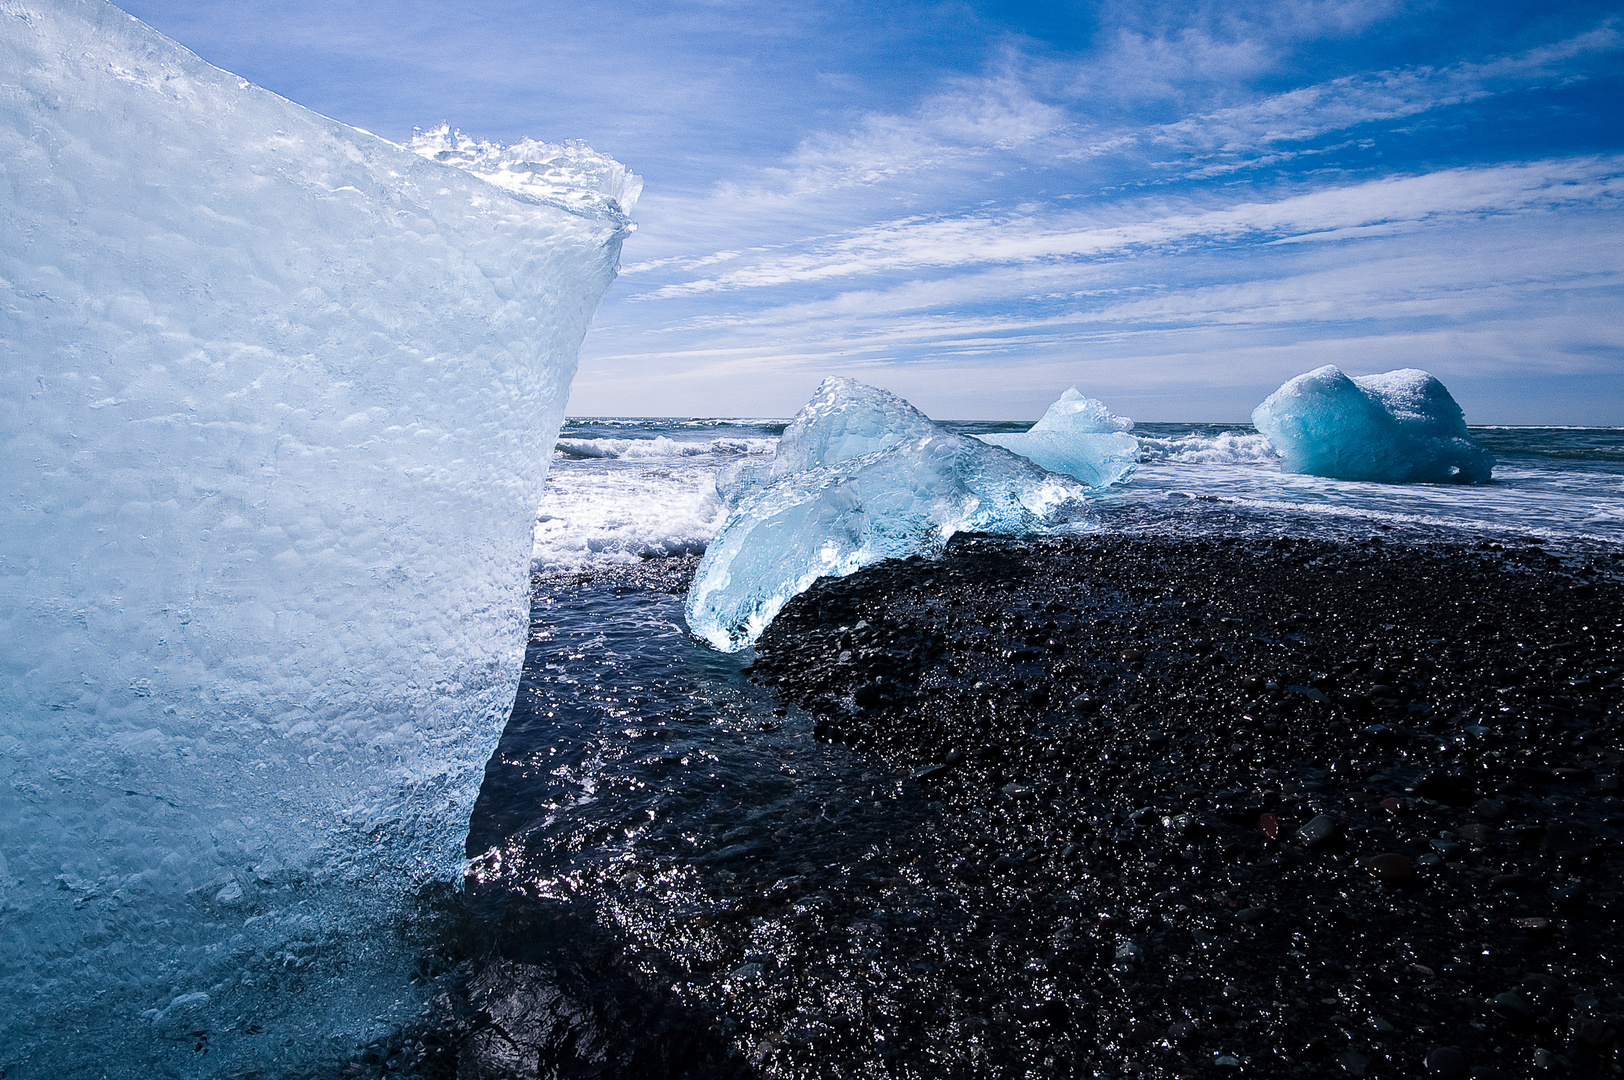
[[1391, 868], [1319, 831], [1447, 1063], [1510, 1006]]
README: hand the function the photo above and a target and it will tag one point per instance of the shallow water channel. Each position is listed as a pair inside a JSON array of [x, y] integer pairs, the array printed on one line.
[[697, 843]]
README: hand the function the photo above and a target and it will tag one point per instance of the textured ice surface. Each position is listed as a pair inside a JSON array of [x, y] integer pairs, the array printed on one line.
[[276, 403], [1080, 437], [861, 476], [846, 419], [1397, 427], [572, 174]]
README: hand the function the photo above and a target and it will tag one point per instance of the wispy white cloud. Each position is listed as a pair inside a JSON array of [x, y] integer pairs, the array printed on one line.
[[956, 143], [1189, 52], [1531, 291], [1045, 109], [1102, 270], [1031, 234], [1354, 100], [949, 130]]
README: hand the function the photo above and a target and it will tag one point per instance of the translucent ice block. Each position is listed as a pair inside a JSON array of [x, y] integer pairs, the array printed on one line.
[[1398, 427], [277, 401], [1080, 437], [866, 477]]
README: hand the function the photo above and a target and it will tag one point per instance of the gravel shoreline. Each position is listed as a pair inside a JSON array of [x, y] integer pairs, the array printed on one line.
[[1173, 807], [1250, 806]]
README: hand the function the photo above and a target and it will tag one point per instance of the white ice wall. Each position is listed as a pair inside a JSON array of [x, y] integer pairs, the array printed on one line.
[[276, 402]]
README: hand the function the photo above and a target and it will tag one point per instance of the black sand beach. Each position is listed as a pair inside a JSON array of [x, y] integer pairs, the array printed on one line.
[[1207, 806], [1284, 807]]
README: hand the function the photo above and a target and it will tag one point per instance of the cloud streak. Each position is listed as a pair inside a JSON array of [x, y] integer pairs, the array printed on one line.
[[1026, 235], [1356, 100]]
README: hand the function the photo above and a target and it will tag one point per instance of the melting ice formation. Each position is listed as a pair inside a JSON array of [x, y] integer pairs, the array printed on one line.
[[860, 476], [1397, 427], [1079, 437], [277, 401]]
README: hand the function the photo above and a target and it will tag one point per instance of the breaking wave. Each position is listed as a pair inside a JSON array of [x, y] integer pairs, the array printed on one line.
[[662, 447], [1226, 448]]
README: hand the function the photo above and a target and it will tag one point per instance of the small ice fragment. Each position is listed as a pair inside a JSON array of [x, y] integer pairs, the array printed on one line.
[[861, 476], [1398, 427], [1079, 437]]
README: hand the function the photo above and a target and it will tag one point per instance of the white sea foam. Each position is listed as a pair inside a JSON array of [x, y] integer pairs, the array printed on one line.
[[595, 514], [663, 447], [615, 498], [1522, 499], [669, 423], [1227, 448]]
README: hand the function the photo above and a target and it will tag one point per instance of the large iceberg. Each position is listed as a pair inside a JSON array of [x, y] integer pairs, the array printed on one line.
[[1080, 437], [277, 402], [860, 475], [1398, 427]]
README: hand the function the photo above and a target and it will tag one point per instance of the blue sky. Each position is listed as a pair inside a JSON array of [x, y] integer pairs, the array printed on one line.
[[1174, 207]]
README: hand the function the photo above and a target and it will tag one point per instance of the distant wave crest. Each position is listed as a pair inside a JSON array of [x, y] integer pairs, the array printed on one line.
[[662, 447], [1227, 448]]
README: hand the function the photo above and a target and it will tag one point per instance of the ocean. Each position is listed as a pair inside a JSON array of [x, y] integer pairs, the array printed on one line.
[[648, 794], [622, 490]]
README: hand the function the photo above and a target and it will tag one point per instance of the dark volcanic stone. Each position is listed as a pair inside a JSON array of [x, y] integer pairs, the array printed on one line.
[[1209, 778], [1183, 1032], [1569, 897], [1391, 868], [1511, 1006], [1319, 831], [1444, 788], [1510, 882], [1447, 1063], [1102, 850]]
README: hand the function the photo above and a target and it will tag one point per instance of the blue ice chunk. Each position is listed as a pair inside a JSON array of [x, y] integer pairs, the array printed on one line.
[[276, 398], [1398, 427], [739, 479], [846, 419], [862, 476], [1079, 437]]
